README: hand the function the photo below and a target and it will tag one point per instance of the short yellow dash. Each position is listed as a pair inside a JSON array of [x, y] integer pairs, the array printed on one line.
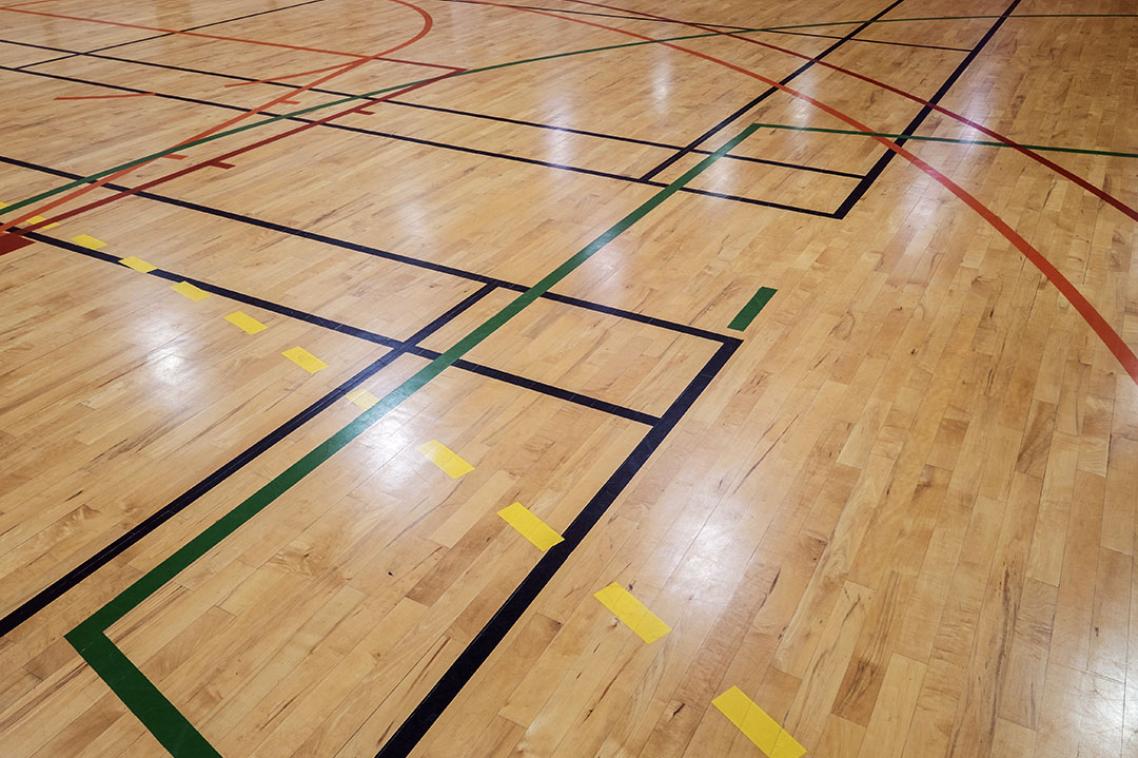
[[40, 220], [635, 615], [305, 359], [86, 240], [362, 398], [452, 464], [189, 291], [530, 526], [136, 263], [767, 734], [245, 322]]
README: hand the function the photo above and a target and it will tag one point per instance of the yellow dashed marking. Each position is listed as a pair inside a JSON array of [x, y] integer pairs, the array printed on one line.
[[305, 359], [135, 263], [541, 534], [189, 291], [86, 240], [40, 220], [362, 398], [767, 734], [633, 613], [452, 464], [245, 322]]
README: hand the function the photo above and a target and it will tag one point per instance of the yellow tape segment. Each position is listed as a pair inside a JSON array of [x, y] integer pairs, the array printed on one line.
[[767, 734], [305, 359], [541, 534], [245, 322], [189, 291], [137, 264], [86, 240], [635, 615], [362, 398], [40, 220], [452, 464]]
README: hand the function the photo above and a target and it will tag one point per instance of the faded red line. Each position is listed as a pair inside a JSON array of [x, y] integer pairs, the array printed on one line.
[[428, 23], [104, 97], [285, 76], [221, 159], [282, 77], [1090, 314]]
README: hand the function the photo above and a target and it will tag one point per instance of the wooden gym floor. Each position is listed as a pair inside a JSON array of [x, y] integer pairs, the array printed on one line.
[[569, 378]]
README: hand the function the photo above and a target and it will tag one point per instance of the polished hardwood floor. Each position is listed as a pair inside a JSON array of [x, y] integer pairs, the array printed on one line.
[[569, 378]]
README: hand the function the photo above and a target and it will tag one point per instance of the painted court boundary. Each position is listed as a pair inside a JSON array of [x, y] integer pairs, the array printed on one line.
[[163, 719], [369, 96], [73, 577]]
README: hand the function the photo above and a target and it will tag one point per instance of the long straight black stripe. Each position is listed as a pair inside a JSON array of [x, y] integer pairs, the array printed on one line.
[[887, 156], [435, 144], [357, 247], [65, 583], [188, 29], [738, 113], [402, 103], [424, 715]]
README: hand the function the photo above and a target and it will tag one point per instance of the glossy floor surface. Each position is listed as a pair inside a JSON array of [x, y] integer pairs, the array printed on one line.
[[566, 378]]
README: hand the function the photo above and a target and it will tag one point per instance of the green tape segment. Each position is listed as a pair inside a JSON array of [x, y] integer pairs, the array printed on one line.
[[757, 302]]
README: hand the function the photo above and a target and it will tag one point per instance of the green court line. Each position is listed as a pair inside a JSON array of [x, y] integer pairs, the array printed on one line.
[[757, 302], [89, 638], [481, 69], [950, 140]]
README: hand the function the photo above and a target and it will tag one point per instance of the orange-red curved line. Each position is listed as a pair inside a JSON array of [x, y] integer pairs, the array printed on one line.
[[425, 29], [1065, 173], [1094, 319]]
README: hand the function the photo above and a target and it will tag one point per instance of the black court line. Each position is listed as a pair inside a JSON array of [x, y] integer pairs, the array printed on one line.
[[357, 247], [738, 113], [605, 136], [188, 29], [887, 156], [436, 144], [728, 27], [424, 715], [423, 106], [410, 346], [881, 42], [59, 587]]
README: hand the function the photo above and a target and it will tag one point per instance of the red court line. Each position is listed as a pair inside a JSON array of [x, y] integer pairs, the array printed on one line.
[[104, 97], [220, 161], [326, 68], [1094, 319], [1069, 175], [428, 23], [285, 76]]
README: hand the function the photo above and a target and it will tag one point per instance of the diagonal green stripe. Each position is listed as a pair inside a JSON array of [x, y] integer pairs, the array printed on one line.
[[170, 727], [149, 704], [493, 67], [950, 140], [757, 302]]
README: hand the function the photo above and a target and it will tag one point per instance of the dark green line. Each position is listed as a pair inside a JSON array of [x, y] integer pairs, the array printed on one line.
[[757, 302], [168, 725], [369, 95], [983, 143], [152, 706]]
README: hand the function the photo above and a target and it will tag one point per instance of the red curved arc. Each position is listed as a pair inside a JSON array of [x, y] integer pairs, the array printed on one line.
[[1065, 173], [1094, 319], [428, 23]]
